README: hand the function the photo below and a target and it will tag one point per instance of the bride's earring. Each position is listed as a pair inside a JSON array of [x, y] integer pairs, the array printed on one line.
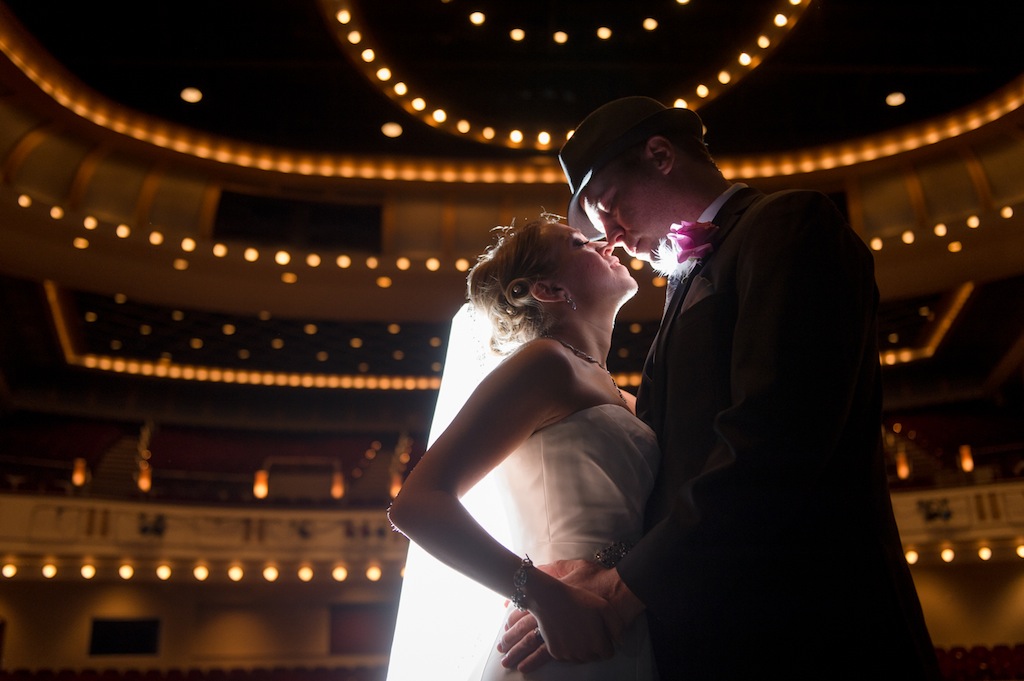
[[572, 303]]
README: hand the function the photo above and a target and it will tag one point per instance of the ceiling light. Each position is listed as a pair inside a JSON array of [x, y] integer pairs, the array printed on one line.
[[650, 23], [517, 34], [477, 18], [192, 95], [895, 99]]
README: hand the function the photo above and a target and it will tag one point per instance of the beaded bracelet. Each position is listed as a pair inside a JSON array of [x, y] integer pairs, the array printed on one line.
[[519, 581], [610, 555]]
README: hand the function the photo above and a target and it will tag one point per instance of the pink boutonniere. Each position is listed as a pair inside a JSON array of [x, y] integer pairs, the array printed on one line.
[[692, 239]]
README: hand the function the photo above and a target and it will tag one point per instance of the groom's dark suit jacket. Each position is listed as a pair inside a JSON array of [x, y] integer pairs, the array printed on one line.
[[771, 546]]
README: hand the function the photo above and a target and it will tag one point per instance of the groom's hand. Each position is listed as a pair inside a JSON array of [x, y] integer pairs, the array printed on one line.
[[522, 647]]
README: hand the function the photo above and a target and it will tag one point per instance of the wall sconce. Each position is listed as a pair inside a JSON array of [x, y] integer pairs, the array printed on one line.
[[337, 484], [902, 464], [966, 459], [145, 477], [79, 473], [261, 484]]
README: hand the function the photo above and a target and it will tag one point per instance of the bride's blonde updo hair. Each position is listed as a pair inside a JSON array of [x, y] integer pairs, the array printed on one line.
[[499, 283]]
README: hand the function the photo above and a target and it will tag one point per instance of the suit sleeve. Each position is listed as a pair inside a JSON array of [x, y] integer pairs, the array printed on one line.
[[801, 318]]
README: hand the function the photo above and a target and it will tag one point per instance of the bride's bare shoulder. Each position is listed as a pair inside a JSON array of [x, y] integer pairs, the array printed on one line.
[[542, 363]]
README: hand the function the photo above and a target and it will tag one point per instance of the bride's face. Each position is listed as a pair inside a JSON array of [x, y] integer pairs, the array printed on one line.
[[588, 269]]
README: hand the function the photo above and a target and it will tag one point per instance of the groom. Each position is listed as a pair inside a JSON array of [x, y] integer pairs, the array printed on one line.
[[771, 547]]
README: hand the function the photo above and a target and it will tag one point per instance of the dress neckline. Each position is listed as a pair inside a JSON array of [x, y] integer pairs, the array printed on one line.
[[614, 408]]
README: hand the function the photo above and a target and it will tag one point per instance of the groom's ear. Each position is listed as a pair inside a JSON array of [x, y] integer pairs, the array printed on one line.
[[660, 152], [547, 291]]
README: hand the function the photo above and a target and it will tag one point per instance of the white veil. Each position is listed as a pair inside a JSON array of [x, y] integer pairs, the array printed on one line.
[[446, 621]]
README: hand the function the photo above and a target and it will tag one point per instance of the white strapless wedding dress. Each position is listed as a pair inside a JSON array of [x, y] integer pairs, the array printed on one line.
[[571, 489], [574, 487]]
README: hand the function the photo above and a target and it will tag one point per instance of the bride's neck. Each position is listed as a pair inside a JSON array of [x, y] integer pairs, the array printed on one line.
[[595, 339]]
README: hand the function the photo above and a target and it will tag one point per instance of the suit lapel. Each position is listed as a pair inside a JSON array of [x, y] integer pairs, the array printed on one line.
[[726, 220], [651, 407]]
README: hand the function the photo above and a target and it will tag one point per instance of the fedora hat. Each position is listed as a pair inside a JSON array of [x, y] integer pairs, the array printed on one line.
[[607, 132]]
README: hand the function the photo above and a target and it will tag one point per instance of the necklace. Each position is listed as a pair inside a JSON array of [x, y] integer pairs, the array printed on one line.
[[588, 358]]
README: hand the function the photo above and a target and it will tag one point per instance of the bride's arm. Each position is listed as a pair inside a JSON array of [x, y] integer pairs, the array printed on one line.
[[530, 390]]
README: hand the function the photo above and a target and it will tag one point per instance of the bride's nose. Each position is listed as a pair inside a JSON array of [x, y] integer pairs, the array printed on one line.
[[603, 247]]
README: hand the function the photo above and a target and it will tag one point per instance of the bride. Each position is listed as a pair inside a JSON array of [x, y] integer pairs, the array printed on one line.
[[569, 461]]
